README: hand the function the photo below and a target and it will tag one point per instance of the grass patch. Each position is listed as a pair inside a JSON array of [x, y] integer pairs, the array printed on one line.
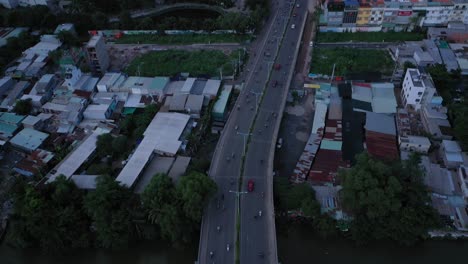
[[171, 62], [369, 36], [350, 60], [182, 39]]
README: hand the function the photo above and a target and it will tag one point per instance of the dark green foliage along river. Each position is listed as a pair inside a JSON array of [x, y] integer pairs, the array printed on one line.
[[297, 247]]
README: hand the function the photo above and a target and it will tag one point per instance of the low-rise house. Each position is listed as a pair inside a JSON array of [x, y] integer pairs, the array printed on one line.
[[414, 144], [32, 122], [34, 163], [219, 111], [381, 136], [434, 119], [211, 90], [110, 81], [100, 111], [9, 102], [9, 124], [28, 140], [451, 154], [6, 84]]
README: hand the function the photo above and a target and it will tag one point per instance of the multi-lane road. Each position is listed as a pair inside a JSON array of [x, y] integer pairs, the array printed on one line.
[[252, 120]]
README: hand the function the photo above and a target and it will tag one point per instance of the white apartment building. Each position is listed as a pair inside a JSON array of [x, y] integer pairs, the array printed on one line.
[[418, 89], [459, 11], [437, 15], [376, 17], [414, 144]]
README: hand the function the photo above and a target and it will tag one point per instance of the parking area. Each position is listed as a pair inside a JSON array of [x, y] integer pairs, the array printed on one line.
[[295, 130]]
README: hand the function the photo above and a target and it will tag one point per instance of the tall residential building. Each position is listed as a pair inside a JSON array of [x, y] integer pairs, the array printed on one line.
[[98, 57], [418, 89]]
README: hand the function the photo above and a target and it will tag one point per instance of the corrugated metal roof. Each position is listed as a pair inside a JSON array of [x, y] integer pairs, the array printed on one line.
[[220, 105], [159, 83], [380, 123], [29, 139]]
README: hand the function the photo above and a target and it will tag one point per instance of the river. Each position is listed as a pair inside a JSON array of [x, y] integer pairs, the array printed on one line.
[[298, 246]]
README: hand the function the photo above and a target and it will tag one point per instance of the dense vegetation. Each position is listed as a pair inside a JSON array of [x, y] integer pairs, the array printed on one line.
[[182, 39], [171, 62], [387, 201], [14, 47], [23, 107], [348, 60], [369, 36], [59, 216], [177, 209], [301, 199]]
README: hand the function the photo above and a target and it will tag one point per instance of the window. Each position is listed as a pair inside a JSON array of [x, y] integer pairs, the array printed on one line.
[[420, 93], [417, 100]]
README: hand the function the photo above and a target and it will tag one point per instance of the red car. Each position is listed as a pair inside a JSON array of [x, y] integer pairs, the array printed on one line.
[[250, 185]]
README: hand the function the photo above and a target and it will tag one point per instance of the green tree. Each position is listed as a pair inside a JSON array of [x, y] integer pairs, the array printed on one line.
[[459, 114], [104, 145], [68, 39], [23, 107], [194, 190], [325, 226], [119, 145], [110, 208], [51, 218], [146, 24], [388, 201], [100, 20], [99, 169], [126, 20]]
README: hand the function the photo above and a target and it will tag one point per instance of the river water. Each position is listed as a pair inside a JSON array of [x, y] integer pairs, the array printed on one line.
[[296, 246]]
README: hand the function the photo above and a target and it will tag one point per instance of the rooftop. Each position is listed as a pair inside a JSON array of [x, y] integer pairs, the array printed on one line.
[[194, 103], [29, 139], [85, 182], [179, 167], [188, 85], [78, 156], [155, 166], [380, 123], [212, 88], [161, 136], [451, 146], [221, 103], [11, 118]]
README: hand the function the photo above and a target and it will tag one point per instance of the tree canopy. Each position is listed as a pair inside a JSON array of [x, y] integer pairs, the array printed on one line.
[[177, 210], [110, 208], [50, 218], [23, 107], [388, 201]]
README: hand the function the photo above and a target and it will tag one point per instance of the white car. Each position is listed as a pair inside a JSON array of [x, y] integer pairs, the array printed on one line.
[[293, 26], [311, 44]]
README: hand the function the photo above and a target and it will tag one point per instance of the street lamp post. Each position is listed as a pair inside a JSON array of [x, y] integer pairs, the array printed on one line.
[[256, 99]]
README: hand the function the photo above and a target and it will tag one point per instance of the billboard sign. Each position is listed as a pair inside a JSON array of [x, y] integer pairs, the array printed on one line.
[[405, 13]]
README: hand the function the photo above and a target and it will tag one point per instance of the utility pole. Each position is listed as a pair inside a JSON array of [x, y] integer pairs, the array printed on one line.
[[221, 73], [244, 135]]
